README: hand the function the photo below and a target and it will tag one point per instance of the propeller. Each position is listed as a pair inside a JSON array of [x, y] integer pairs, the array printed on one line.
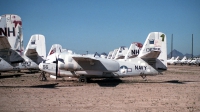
[[56, 67]]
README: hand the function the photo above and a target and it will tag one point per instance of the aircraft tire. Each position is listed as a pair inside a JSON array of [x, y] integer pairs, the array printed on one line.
[[83, 79], [44, 79]]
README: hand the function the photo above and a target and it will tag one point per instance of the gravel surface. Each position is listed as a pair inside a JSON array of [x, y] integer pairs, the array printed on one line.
[[177, 90]]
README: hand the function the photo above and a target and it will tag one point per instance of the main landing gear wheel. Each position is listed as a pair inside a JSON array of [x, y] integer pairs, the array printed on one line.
[[83, 79], [43, 77]]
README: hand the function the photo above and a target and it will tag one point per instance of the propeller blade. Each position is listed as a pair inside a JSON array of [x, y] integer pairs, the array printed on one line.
[[56, 67]]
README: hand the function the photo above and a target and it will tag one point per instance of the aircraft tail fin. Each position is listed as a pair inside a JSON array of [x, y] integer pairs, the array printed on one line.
[[55, 48], [177, 58], [36, 48], [11, 27], [172, 58], [133, 50], [109, 55], [121, 52], [114, 53], [184, 58], [154, 50]]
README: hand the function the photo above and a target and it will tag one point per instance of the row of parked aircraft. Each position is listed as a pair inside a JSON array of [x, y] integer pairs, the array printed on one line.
[[183, 61], [137, 60], [12, 53]]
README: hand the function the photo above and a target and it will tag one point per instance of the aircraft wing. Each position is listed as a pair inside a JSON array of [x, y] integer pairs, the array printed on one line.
[[4, 44], [96, 64], [84, 58], [151, 55]]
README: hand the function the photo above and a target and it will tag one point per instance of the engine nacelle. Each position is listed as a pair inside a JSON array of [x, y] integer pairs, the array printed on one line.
[[70, 67]]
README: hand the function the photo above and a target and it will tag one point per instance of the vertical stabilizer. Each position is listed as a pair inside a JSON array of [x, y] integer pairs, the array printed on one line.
[[109, 55], [36, 48], [177, 58], [172, 58], [121, 52], [114, 53], [184, 58], [133, 50], [54, 52], [11, 27], [154, 50], [55, 48]]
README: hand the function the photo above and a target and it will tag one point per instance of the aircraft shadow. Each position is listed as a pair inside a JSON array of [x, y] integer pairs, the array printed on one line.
[[159, 82], [33, 72], [178, 82], [47, 86], [10, 76], [115, 82], [107, 82], [101, 83]]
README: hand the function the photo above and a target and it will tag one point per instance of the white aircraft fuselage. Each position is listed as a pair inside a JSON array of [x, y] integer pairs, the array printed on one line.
[[129, 68]]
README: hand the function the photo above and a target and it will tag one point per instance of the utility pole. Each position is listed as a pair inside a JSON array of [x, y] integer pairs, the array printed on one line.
[[171, 45], [192, 46]]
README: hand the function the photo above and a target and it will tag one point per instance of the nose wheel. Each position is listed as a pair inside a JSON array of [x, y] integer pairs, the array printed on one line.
[[42, 76], [144, 77]]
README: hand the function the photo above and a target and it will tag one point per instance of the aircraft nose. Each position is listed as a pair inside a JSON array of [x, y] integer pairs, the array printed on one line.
[[41, 66]]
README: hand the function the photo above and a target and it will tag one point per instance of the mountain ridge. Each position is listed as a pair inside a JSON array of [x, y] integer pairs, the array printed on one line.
[[176, 53]]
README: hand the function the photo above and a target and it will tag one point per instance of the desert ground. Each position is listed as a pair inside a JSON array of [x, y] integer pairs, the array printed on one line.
[[176, 90]]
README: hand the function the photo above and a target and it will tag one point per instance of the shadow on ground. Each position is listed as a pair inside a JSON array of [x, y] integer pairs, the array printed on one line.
[[10, 76], [100, 82], [106, 82]]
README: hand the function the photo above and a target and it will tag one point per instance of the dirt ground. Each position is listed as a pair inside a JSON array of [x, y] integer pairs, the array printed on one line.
[[177, 90]]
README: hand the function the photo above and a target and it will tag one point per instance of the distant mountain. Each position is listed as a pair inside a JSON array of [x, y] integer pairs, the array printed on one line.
[[188, 55], [175, 53]]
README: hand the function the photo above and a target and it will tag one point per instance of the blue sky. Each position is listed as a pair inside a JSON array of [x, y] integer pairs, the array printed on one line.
[[103, 25]]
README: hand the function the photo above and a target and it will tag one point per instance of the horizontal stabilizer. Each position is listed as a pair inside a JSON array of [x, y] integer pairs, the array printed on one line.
[[151, 55], [36, 46], [4, 43], [31, 52]]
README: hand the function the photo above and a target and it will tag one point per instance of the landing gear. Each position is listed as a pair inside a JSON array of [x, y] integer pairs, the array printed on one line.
[[144, 77], [42, 76], [83, 79]]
